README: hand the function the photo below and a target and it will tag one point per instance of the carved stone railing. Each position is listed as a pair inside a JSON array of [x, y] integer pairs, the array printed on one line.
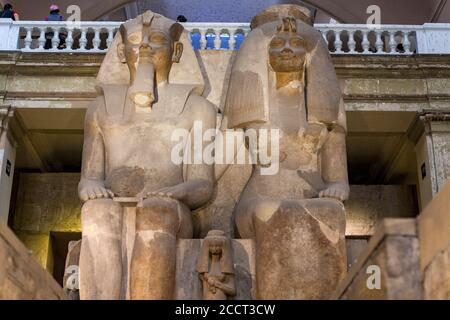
[[95, 37], [358, 39]]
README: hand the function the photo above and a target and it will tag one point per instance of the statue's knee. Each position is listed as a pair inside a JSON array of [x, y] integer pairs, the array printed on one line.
[[159, 214], [264, 210], [101, 216], [251, 211]]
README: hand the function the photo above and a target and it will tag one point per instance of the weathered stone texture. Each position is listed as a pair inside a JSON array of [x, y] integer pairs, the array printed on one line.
[[38, 213], [434, 236], [437, 277], [394, 248], [441, 144], [48, 202], [355, 248], [368, 205], [21, 277]]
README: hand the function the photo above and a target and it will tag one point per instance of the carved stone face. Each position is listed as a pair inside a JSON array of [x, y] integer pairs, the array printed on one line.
[[150, 45], [149, 52], [287, 52]]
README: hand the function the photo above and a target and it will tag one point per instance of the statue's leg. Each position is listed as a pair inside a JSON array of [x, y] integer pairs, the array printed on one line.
[[101, 255], [300, 247], [159, 222]]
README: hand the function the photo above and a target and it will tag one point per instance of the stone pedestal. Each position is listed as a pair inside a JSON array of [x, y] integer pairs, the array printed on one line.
[[21, 277], [187, 282], [388, 269]]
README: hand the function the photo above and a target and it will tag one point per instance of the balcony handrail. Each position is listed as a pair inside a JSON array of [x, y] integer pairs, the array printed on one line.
[[96, 36]]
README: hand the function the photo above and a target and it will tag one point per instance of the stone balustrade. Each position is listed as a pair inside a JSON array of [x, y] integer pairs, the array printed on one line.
[[93, 37], [358, 39]]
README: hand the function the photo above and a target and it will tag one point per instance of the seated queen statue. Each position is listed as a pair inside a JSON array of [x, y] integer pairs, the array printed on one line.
[[283, 79]]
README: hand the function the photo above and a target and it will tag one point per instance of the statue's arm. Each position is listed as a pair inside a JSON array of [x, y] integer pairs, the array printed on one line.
[[334, 165], [200, 177], [91, 184], [227, 287]]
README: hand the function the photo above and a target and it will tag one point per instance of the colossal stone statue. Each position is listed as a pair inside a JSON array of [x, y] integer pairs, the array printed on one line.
[[283, 79], [150, 84], [215, 267]]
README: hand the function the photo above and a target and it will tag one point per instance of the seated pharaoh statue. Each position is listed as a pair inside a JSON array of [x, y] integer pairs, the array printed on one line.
[[283, 80], [150, 84]]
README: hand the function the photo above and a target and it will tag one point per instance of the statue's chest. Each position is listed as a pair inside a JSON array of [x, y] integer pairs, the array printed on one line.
[[288, 113], [145, 129]]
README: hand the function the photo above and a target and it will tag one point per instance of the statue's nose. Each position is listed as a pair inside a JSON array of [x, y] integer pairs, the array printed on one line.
[[287, 51], [145, 43]]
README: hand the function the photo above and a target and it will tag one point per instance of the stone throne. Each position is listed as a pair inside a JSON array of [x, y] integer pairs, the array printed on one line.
[[316, 218]]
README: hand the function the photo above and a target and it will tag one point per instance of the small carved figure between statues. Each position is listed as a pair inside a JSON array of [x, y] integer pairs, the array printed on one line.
[[215, 267]]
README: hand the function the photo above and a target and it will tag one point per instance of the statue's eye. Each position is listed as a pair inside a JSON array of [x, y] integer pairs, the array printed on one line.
[[158, 38], [277, 43], [135, 38], [296, 42]]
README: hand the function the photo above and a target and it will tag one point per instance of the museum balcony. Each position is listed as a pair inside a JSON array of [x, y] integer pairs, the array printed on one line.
[[96, 36]]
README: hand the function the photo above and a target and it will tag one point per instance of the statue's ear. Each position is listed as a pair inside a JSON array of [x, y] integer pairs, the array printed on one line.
[[177, 51], [121, 52]]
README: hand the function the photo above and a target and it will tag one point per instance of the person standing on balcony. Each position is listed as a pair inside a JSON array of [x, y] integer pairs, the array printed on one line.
[[9, 12], [55, 16], [181, 18]]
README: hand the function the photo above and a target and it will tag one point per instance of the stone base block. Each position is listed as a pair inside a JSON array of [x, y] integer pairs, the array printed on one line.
[[388, 269], [21, 276]]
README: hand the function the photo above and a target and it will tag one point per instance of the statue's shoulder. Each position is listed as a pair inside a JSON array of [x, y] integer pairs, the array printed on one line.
[[186, 99], [200, 107], [97, 106]]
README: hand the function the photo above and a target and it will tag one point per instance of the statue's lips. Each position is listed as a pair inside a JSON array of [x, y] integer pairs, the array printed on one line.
[[287, 56]]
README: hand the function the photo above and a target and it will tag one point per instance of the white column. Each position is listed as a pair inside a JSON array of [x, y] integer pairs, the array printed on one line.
[[392, 42], [338, 41], [83, 39], [351, 42], [365, 42], [96, 41], [110, 39], [217, 39], [55, 40], [7, 162], [9, 35], [69, 39], [433, 158], [41, 39], [28, 38], [232, 40], [379, 43], [203, 41]]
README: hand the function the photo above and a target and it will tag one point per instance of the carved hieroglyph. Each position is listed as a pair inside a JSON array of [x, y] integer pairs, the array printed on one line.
[[215, 267], [283, 79], [150, 84]]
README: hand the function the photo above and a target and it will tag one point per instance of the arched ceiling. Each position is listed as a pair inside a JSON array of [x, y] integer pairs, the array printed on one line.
[[346, 11]]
